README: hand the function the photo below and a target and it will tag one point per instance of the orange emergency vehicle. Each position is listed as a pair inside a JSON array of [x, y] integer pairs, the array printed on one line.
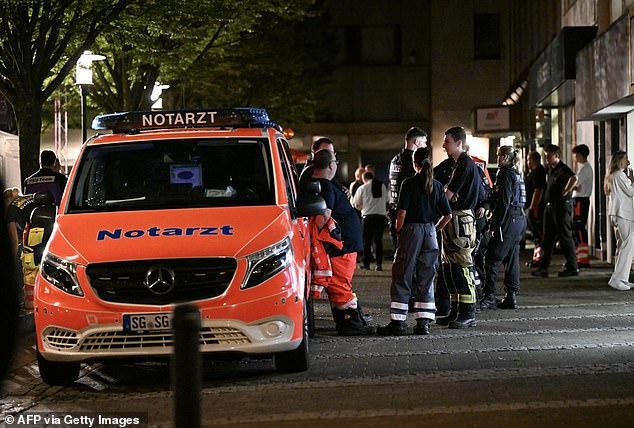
[[171, 207]]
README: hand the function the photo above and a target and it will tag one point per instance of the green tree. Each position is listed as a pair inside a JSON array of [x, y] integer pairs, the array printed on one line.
[[281, 64], [176, 43], [40, 42]]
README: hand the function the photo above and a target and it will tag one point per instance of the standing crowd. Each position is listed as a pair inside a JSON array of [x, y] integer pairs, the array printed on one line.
[[452, 227]]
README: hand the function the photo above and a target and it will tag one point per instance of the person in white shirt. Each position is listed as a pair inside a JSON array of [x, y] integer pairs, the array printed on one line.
[[619, 189], [581, 199], [371, 199]]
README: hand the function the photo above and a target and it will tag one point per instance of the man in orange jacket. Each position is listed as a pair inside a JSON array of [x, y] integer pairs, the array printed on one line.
[[348, 317]]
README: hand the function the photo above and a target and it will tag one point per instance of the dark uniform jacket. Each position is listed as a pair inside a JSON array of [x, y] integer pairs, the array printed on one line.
[[401, 167], [46, 180], [509, 196]]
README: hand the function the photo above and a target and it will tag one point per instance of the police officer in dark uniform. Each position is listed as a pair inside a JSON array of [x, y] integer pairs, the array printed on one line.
[[401, 167], [506, 228], [560, 182], [421, 200]]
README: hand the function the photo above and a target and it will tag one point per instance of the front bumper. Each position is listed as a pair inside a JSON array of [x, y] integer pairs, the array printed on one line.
[[265, 336]]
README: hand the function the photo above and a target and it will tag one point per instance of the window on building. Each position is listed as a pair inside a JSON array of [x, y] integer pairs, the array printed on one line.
[[486, 36], [370, 45]]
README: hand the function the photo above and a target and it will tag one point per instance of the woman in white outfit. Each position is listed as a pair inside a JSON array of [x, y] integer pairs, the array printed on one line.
[[619, 188]]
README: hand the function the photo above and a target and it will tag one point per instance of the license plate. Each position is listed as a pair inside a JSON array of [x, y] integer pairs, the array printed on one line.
[[145, 322]]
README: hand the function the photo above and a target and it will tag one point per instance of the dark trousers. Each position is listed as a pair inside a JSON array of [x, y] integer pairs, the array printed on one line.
[[413, 272], [507, 251], [373, 227], [442, 290], [558, 225], [535, 223], [391, 214], [580, 220]]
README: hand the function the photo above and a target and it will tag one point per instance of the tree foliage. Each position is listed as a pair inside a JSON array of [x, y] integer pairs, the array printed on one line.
[[280, 64], [210, 52], [268, 53], [40, 42]]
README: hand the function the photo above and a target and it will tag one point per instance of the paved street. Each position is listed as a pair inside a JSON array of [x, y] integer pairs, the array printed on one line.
[[564, 358]]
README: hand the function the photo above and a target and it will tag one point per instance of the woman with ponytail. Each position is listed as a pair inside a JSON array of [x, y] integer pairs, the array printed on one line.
[[619, 188], [506, 229], [420, 201]]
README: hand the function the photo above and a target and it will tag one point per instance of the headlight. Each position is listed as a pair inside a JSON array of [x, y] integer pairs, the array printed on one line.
[[61, 273], [266, 263]]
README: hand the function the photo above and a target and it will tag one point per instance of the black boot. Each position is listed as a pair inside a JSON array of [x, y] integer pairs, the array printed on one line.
[[394, 328], [351, 323], [466, 316], [488, 302], [366, 317], [509, 302], [453, 314], [422, 326]]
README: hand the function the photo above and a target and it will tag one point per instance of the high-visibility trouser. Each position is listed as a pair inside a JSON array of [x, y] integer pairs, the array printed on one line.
[[340, 287], [458, 244], [414, 271]]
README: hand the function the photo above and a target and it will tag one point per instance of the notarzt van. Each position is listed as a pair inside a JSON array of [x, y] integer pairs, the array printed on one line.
[[172, 207]]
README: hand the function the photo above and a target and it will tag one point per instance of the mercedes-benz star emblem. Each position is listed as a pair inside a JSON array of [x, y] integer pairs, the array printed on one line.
[[159, 280]]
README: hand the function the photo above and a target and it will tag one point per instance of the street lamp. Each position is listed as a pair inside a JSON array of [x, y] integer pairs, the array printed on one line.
[[83, 79]]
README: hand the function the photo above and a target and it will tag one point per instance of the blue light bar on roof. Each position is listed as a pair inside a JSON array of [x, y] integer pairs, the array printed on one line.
[[169, 119]]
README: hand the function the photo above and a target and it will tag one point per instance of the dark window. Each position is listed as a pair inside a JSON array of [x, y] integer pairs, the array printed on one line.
[[370, 45], [486, 36], [165, 174]]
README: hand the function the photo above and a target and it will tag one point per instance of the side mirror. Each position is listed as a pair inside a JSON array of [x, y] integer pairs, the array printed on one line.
[[310, 205], [310, 187]]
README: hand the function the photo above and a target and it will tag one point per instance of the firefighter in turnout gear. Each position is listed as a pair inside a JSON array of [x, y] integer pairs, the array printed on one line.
[[506, 229], [420, 201], [459, 240]]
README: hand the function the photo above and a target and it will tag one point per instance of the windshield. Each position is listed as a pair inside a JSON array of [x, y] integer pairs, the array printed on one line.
[[174, 174]]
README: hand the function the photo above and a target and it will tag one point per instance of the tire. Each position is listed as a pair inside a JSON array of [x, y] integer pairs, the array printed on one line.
[[298, 359], [56, 373], [310, 313]]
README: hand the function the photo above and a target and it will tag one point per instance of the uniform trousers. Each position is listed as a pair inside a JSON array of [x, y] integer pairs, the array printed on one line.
[[413, 272], [624, 231], [505, 250], [339, 288], [558, 224]]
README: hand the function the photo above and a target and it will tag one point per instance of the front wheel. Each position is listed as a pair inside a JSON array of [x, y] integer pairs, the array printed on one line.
[[296, 360], [56, 373]]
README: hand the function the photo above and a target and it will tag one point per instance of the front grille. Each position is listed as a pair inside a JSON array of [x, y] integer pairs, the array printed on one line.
[[194, 279], [120, 340], [61, 339]]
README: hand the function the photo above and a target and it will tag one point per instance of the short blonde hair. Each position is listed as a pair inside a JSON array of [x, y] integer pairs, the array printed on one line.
[[10, 194]]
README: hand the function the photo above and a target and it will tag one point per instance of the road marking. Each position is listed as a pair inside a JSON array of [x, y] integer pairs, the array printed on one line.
[[572, 347], [365, 414]]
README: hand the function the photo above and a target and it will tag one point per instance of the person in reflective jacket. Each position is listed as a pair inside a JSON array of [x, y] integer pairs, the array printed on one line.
[[506, 229]]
